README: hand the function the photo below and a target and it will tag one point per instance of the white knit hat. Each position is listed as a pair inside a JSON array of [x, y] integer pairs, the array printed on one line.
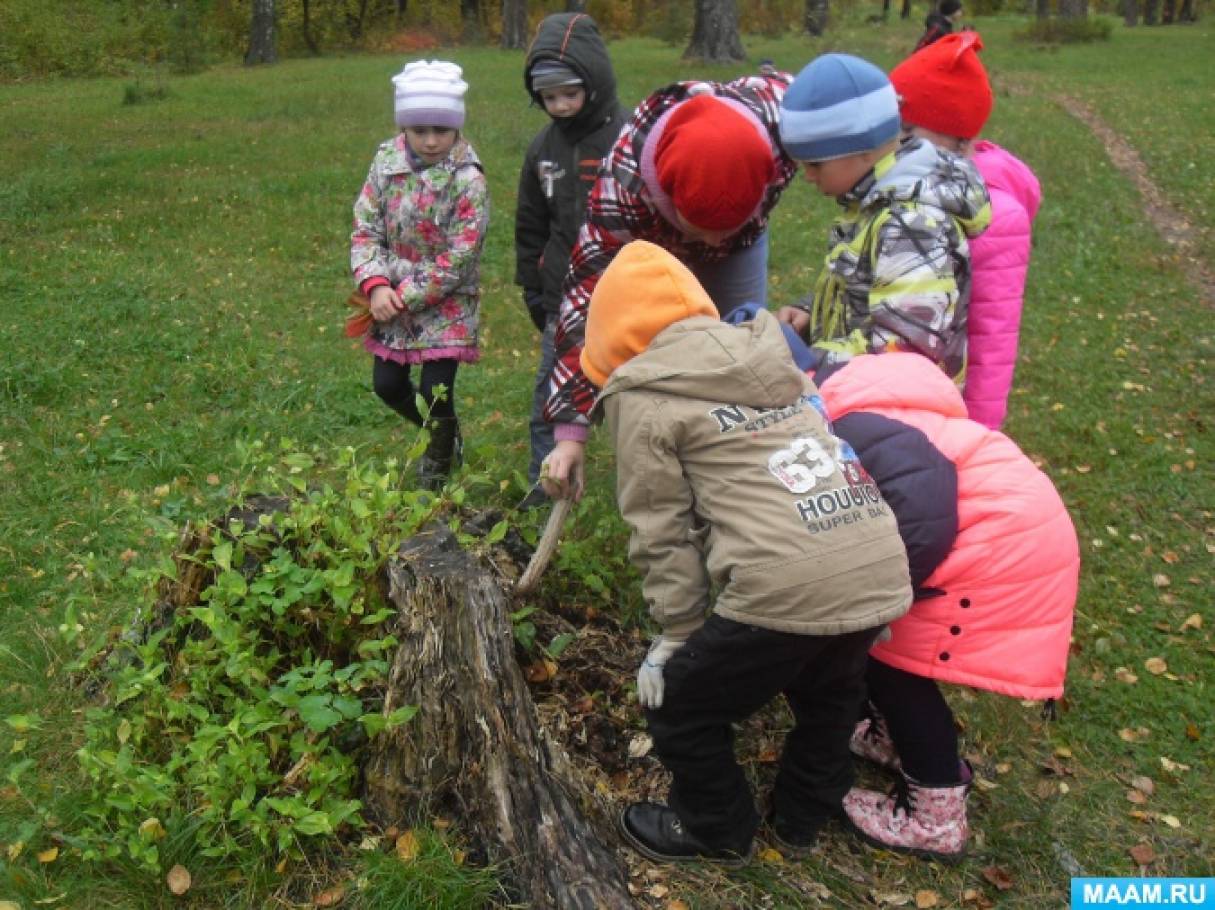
[[430, 93]]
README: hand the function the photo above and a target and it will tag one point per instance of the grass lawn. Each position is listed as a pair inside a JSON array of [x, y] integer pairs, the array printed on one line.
[[173, 276]]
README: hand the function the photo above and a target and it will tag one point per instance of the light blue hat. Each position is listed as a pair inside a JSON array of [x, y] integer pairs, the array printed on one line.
[[838, 105]]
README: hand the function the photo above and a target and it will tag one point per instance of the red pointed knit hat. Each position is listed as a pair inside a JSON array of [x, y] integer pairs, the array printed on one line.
[[944, 88], [714, 163]]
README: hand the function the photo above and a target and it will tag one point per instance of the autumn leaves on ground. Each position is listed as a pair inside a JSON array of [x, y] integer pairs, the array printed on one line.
[[174, 277]]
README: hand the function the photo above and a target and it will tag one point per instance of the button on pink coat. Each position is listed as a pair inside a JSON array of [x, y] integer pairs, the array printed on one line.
[[999, 258], [1004, 622]]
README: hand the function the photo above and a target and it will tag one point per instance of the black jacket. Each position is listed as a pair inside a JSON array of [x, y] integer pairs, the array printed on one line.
[[563, 160]]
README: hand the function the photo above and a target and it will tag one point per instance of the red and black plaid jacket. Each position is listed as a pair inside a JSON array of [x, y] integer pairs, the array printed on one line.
[[620, 210]]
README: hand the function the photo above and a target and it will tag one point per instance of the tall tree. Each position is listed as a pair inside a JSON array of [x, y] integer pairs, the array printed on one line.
[[313, 48], [1151, 12], [1042, 9], [1130, 12], [817, 14], [470, 20], [715, 35], [514, 24], [1073, 9], [261, 34]]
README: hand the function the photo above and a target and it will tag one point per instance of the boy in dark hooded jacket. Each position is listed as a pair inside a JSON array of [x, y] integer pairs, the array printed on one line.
[[569, 74]]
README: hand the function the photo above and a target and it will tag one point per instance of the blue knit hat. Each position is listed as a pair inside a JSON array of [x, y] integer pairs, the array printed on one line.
[[838, 105]]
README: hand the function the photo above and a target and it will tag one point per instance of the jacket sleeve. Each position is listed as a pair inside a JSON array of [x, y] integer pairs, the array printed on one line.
[[612, 214], [917, 481], [914, 294], [435, 279], [999, 262], [368, 239], [656, 502], [532, 225]]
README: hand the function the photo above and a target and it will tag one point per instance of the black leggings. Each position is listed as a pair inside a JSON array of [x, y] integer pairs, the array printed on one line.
[[919, 720], [392, 382]]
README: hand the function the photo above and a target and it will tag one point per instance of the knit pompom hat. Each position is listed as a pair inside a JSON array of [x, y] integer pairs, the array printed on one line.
[[641, 292], [714, 163], [944, 87], [430, 93], [838, 105]]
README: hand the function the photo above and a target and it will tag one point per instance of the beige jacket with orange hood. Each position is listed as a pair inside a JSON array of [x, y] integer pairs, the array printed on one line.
[[726, 469]]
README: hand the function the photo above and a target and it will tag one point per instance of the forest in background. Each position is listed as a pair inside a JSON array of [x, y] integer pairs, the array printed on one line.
[[121, 37]]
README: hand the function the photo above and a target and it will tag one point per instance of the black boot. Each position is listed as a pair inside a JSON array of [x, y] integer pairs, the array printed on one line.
[[656, 832], [444, 452]]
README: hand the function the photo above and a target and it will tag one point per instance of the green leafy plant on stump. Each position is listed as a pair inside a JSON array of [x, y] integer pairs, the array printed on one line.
[[236, 718]]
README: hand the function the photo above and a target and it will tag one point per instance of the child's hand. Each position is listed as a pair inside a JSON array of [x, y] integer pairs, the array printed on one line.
[[794, 316], [385, 303]]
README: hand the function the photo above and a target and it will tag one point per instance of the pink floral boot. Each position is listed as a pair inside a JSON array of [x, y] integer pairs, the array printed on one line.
[[913, 818], [871, 741]]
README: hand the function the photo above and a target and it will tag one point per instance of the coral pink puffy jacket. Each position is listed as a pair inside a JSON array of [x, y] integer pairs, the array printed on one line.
[[999, 258], [1004, 622]]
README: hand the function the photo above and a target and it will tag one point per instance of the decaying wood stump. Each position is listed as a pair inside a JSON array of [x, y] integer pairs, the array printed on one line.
[[476, 745]]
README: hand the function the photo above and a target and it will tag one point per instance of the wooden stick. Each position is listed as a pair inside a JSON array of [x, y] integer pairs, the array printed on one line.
[[546, 547]]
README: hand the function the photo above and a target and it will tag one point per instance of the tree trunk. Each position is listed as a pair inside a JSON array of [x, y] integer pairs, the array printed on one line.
[[1151, 12], [402, 9], [715, 37], [906, 13], [1187, 12], [1073, 9], [1169, 13], [307, 29], [817, 15], [514, 24], [1042, 9], [470, 20], [476, 747], [1130, 13], [261, 34]]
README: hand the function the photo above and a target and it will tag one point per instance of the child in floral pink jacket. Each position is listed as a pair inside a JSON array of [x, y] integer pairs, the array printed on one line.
[[419, 226]]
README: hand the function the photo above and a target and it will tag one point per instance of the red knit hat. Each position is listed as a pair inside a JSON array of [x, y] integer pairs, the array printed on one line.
[[943, 87], [714, 163]]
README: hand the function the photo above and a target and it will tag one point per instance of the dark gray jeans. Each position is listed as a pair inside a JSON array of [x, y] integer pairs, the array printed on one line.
[[541, 430]]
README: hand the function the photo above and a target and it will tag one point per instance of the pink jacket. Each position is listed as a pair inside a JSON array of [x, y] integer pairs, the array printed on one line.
[[1004, 620], [999, 258]]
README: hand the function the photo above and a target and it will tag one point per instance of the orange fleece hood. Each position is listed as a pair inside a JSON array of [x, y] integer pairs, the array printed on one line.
[[643, 290]]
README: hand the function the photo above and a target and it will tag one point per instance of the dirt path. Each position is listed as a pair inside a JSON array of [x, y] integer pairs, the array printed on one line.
[[1170, 223]]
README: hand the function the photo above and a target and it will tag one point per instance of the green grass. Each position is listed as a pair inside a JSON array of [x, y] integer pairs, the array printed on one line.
[[173, 275]]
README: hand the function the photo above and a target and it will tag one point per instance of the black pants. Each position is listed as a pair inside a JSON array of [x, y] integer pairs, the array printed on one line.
[[919, 721], [394, 385], [725, 673]]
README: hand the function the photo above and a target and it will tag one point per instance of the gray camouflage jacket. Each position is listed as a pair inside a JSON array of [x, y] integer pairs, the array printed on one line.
[[897, 273]]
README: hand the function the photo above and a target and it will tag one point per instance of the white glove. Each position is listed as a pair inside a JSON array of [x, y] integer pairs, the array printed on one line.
[[649, 674]]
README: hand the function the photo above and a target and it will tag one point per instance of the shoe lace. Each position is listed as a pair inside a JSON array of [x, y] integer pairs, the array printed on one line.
[[904, 797]]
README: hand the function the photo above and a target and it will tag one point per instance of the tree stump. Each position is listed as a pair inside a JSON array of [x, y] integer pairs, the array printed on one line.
[[476, 746]]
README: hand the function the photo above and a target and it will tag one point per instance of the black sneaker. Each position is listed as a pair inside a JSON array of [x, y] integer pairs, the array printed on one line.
[[794, 840], [656, 832]]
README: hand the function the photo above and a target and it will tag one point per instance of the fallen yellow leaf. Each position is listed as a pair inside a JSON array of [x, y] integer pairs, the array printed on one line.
[[769, 855], [925, 899], [1155, 665], [1193, 621], [49, 855], [330, 897], [179, 880], [408, 846]]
